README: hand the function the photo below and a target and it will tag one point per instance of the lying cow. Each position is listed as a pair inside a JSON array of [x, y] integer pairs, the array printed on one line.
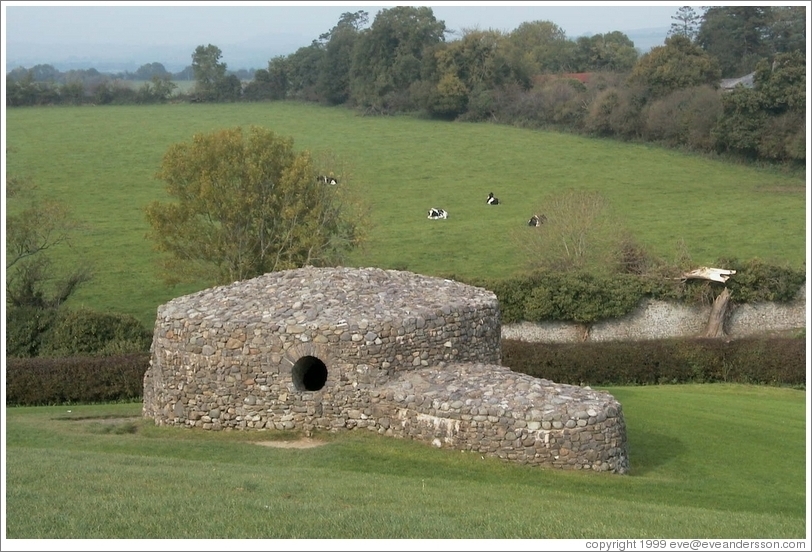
[[435, 213], [492, 200], [537, 220], [327, 180]]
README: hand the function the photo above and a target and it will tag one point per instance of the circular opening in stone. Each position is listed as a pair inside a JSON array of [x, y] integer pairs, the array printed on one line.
[[309, 374]]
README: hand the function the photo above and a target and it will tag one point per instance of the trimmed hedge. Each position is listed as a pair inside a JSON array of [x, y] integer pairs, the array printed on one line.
[[757, 360], [76, 379], [584, 297], [766, 361]]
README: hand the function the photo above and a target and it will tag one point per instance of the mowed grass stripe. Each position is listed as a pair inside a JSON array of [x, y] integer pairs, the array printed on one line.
[[101, 161]]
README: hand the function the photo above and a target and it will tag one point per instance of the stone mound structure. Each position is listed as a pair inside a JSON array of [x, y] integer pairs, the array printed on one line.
[[394, 352]]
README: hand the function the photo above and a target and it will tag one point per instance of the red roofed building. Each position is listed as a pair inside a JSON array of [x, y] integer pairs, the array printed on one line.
[[583, 77]]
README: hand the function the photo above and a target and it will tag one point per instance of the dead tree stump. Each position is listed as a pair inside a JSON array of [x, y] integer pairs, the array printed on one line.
[[718, 315]]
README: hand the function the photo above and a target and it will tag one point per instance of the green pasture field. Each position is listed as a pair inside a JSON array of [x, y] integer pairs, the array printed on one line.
[[101, 162], [707, 461]]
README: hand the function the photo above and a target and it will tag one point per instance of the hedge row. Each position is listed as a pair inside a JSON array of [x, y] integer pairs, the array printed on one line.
[[770, 361], [757, 360], [76, 379], [586, 297]]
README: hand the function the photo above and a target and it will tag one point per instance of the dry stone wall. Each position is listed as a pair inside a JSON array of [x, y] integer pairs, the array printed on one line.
[[388, 351]]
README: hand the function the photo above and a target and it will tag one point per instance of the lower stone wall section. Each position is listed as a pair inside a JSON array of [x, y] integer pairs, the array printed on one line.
[[493, 411], [482, 408]]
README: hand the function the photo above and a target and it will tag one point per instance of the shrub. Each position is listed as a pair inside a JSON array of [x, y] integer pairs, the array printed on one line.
[[480, 105], [511, 104], [512, 294], [25, 327], [626, 119], [87, 332], [582, 297], [557, 101], [757, 281], [778, 141], [616, 111], [580, 234], [683, 118], [598, 119], [701, 113], [762, 360]]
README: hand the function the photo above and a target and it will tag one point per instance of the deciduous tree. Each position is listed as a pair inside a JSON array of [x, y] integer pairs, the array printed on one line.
[[151, 70], [767, 121], [334, 76], [543, 45], [208, 69], [158, 90], [605, 52], [301, 71], [246, 203], [388, 56], [477, 59], [676, 65], [271, 84], [35, 226]]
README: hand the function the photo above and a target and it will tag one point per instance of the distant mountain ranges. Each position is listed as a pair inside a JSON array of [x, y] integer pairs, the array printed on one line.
[[250, 54]]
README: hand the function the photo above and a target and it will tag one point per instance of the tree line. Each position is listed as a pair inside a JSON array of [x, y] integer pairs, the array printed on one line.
[[407, 61]]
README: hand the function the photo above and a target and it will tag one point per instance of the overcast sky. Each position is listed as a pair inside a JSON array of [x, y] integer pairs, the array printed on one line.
[[223, 23]]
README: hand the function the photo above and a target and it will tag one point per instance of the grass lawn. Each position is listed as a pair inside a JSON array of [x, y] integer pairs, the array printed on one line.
[[707, 461]]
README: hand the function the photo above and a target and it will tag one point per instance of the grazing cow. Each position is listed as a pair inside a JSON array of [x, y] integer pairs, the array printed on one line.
[[492, 200], [536, 220], [435, 213], [332, 180]]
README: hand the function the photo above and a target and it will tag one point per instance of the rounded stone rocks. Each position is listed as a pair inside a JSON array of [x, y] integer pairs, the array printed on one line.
[[297, 333], [394, 352]]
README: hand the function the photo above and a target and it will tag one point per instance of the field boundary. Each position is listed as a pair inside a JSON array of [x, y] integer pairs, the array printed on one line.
[[660, 320]]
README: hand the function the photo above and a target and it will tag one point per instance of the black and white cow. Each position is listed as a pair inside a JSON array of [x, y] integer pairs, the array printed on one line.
[[327, 180], [435, 213], [537, 220], [492, 200]]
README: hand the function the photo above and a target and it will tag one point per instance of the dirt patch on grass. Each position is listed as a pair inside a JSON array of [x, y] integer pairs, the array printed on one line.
[[303, 443], [99, 419]]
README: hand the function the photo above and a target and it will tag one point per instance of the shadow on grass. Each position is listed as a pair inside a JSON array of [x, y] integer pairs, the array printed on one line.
[[649, 450], [105, 424]]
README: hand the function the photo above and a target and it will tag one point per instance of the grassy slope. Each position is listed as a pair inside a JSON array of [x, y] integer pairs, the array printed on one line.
[[101, 161], [708, 461]]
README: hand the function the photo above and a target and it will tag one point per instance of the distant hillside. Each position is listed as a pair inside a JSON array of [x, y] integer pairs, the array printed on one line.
[[252, 53], [646, 39]]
